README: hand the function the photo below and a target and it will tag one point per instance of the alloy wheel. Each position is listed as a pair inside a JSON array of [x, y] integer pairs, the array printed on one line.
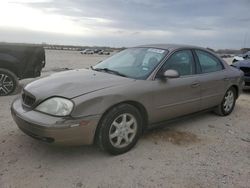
[[6, 84], [228, 101], [123, 130]]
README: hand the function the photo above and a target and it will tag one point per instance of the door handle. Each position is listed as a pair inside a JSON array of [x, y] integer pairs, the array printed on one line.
[[195, 84]]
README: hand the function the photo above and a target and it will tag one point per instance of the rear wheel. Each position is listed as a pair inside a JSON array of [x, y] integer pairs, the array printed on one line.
[[8, 82], [227, 104], [120, 129]]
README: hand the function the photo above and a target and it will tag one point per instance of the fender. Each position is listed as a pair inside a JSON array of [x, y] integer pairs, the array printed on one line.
[[10, 63]]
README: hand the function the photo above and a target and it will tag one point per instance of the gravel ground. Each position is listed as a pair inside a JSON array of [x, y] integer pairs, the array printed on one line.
[[201, 151]]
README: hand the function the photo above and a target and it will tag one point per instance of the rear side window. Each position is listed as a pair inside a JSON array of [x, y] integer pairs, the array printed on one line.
[[208, 62]]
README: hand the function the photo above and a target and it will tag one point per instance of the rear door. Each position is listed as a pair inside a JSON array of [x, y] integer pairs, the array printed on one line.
[[173, 97], [212, 77]]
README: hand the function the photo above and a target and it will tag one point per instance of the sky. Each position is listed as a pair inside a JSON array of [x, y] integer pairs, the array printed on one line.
[[117, 23]]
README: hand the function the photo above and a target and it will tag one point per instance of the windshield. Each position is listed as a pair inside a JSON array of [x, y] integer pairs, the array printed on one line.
[[135, 63]]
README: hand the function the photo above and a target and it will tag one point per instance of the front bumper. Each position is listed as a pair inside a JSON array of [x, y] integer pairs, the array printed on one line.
[[56, 130], [247, 81]]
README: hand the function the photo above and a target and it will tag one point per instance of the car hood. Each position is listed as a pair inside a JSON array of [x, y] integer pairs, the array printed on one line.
[[244, 63], [71, 84]]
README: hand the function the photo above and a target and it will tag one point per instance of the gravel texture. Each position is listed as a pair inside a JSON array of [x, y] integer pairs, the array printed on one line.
[[202, 151]]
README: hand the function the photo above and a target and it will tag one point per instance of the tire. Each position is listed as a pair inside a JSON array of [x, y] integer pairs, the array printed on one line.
[[119, 129], [227, 104], [8, 82]]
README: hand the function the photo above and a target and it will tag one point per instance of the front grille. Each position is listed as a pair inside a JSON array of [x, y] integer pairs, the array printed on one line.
[[28, 100], [246, 70], [247, 83]]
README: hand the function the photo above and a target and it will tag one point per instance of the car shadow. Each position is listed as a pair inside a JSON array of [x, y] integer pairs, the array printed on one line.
[[69, 151], [180, 131]]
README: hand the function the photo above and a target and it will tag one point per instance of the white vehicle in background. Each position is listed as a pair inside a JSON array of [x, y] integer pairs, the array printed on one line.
[[87, 51], [102, 52], [242, 57]]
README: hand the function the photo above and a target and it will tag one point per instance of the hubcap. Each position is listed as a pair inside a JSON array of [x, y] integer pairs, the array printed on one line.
[[6, 84], [229, 101], [123, 130]]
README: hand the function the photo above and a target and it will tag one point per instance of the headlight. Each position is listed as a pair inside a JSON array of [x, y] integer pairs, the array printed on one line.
[[56, 106]]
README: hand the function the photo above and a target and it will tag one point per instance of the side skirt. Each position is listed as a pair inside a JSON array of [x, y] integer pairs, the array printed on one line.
[[179, 118]]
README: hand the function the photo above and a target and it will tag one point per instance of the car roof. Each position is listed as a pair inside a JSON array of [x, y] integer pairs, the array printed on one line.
[[170, 47]]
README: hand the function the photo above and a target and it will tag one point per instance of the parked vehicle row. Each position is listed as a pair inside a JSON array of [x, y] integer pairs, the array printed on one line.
[[226, 55], [18, 62], [115, 101], [95, 51]]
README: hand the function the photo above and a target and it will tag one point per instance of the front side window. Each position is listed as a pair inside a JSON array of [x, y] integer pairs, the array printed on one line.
[[135, 63], [208, 62], [181, 61]]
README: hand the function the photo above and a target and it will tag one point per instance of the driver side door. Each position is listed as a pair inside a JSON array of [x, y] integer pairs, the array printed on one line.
[[173, 97]]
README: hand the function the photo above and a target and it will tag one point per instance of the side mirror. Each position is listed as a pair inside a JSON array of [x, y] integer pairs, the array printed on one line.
[[171, 74]]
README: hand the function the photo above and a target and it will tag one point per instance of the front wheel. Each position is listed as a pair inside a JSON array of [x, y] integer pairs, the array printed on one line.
[[227, 104], [120, 129], [8, 82]]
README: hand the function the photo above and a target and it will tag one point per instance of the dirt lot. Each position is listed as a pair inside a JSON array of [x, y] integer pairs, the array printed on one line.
[[202, 151]]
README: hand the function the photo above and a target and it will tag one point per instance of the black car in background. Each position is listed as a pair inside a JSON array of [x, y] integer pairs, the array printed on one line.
[[18, 62], [244, 66]]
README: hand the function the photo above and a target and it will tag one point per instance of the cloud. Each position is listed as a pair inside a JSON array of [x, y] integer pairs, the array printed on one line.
[[219, 24]]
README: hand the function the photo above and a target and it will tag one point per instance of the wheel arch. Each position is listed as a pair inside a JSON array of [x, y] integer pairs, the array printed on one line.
[[236, 88], [10, 67], [136, 104]]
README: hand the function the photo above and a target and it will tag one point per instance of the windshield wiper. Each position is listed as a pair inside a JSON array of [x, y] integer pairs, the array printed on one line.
[[108, 71]]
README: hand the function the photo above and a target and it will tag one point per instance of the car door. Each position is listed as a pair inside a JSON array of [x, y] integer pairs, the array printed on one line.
[[173, 97], [212, 77]]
